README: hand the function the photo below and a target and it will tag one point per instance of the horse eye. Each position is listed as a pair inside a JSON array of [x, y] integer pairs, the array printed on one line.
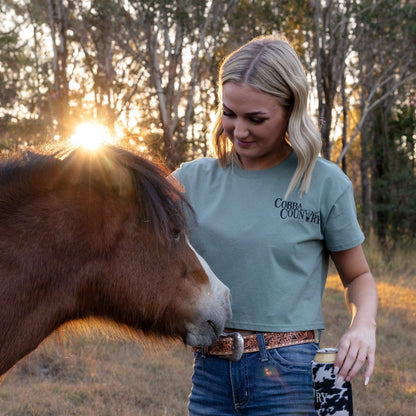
[[176, 236]]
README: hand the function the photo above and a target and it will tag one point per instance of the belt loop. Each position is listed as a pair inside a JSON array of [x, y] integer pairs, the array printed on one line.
[[262, 347]]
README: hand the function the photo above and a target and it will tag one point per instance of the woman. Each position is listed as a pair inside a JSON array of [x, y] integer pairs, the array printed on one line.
[[269, 213]]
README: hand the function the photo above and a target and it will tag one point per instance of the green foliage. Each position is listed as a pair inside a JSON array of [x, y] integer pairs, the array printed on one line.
[[13, 64], [394, 184]]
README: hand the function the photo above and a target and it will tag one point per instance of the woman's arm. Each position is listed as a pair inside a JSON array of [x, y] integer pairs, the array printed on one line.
[[358, 344]]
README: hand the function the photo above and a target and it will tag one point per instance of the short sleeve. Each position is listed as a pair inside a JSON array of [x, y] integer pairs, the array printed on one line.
[[342, 230]]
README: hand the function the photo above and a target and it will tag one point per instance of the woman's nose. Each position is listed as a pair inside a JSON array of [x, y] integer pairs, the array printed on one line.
[[240, 129]]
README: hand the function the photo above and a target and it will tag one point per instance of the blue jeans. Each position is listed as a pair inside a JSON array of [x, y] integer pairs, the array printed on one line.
[[265, 383]]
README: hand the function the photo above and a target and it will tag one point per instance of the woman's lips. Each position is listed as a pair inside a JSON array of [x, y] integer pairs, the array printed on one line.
[[243, 143]]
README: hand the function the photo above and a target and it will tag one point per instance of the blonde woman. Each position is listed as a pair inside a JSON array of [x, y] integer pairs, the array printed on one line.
[[269, 213]]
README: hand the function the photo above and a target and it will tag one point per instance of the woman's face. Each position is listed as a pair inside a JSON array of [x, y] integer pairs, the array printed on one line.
[[256, 123]]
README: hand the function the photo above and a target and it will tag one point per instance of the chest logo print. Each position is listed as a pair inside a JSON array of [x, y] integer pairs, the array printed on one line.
[[292, 209]]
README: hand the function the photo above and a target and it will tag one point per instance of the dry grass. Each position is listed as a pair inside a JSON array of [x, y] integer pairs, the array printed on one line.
[[392, 390], [94, 376]]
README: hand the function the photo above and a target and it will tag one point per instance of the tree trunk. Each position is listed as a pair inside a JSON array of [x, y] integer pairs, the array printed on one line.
[[58, 23]]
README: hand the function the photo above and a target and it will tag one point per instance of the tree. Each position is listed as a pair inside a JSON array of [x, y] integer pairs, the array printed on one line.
[[58, 24], [23, 77], [172, 40], [381, 69], [331, 45], [149, 68], [394, 184], [102, 69]]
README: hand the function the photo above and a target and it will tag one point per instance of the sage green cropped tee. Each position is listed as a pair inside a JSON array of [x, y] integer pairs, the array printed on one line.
[[271, 251]]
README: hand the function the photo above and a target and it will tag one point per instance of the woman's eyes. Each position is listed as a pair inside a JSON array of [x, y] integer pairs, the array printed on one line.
[[227, 114], [254, 120], [257, 120]]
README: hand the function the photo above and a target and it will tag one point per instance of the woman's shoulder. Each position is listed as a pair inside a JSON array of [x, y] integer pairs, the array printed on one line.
[[203, 163], [325, 170], [196, 168]]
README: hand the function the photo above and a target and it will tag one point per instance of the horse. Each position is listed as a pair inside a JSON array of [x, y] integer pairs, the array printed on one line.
[[99, 235]]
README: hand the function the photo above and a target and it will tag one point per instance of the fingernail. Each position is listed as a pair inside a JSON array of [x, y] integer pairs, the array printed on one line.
[[367, 380], [336, 370]]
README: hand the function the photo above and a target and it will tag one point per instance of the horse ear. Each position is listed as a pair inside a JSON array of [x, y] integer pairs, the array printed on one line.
[[99, 171]]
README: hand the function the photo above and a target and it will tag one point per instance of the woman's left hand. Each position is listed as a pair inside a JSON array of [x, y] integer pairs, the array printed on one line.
[[358, 344], [356, 347]]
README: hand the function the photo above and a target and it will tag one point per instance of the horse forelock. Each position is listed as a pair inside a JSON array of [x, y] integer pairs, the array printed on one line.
[[161, 200]]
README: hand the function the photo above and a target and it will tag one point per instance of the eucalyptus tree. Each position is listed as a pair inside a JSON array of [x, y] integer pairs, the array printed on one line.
[[58, 15], [364, 54], [171, 41], [384, 73], [24, 104], [180, 45], [332, 24], [105, 80]]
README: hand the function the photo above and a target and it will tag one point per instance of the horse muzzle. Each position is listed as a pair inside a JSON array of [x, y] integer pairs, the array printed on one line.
[[213, 310]]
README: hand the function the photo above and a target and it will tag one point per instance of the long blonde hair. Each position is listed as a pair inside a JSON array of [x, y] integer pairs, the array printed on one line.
[[269, 64]]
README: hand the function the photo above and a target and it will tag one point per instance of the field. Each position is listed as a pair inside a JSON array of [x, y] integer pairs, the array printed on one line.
[[91, 375]]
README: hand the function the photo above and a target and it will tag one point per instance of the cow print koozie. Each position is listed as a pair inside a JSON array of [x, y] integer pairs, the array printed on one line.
[[333, 396]]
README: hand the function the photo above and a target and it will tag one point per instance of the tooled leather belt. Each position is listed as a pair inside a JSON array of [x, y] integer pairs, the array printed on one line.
[[233, 345]]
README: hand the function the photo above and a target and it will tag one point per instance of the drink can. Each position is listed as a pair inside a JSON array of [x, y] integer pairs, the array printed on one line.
[[333, 396]]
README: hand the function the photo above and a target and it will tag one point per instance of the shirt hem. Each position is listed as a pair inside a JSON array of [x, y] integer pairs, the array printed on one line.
[[274, 328], [352, 244]]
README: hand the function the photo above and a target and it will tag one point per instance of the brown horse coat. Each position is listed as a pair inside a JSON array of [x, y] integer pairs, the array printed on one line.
[[98, 234]]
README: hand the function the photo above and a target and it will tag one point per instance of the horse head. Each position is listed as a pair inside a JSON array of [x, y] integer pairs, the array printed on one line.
[[99, 235]]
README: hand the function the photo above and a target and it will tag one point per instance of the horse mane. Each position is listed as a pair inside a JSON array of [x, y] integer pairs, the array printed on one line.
[[161, 199], [112, 170], [20, 167]]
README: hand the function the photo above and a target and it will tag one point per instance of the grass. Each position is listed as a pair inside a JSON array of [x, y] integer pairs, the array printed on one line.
[[94, 376], [87, 376], [392, 390]]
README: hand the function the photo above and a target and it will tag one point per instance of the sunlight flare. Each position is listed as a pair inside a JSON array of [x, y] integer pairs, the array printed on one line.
[[91, 136]]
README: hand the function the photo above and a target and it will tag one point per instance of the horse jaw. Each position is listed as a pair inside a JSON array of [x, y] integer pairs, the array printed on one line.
[[213, 309]]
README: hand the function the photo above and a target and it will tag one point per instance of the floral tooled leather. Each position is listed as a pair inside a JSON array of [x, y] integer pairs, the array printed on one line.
[[224, 346]]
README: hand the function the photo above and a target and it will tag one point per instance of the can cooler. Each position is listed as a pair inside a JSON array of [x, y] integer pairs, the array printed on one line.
[[333, 396]]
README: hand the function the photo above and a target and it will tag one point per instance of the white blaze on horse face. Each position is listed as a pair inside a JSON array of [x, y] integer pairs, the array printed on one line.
[[214, 309]]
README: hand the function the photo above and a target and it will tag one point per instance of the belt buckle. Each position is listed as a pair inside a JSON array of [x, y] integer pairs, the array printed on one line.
[[238, 345]]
